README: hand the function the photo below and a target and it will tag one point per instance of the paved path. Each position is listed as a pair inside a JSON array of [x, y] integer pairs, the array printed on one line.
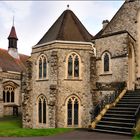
[[76, 135]]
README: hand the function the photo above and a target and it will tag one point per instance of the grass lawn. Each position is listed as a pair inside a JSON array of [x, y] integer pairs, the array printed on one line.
[[137, 131], [11, 126], [136, 137]]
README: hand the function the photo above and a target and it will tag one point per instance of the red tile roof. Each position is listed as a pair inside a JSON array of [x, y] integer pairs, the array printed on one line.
[[13, 33], [8, 63], [68, 28]]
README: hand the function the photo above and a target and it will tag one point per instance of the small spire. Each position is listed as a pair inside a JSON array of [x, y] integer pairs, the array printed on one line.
[[68, 6], [13, 20]]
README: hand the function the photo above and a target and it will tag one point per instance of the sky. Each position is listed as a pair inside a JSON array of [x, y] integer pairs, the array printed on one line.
[[32, 19]]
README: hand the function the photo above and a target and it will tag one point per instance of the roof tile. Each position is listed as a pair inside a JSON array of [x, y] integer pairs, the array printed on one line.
[[8, 63], [68, 28]]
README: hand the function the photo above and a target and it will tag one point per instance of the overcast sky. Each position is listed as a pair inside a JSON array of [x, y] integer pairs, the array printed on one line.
[[34, 18]]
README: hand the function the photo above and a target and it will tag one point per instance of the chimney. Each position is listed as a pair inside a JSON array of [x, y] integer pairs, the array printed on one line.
[[104, 23]]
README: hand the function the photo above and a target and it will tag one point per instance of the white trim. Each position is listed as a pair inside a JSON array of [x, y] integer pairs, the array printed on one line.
[[67, 42], [14, 72]]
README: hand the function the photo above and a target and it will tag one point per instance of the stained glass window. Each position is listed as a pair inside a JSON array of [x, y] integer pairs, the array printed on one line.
[[44, 68], [73, 66], [12, 96], [42, 110], [3, 96], [76, 67], [69, 112], [76, 112], [73, 112], [70, 64], [40, 68], [106, 62], [8, 96]]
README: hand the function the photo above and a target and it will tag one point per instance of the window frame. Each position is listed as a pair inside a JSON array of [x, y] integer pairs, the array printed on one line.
[[44, 76], [73, 99], [42, 98], [8, 93], [73, 55], [103, 62]]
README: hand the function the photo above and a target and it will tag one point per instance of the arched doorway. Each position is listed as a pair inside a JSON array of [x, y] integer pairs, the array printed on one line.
[[131, 68]]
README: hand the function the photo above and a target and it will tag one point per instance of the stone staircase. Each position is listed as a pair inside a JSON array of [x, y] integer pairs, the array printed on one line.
[[121, 118]]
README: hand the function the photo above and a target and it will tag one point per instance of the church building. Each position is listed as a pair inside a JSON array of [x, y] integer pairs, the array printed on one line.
[[70, 71]]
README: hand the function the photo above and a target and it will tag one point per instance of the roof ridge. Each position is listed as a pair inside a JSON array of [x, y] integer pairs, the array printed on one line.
[[24, 54], [75, 19], [113, 17], [59, 35]]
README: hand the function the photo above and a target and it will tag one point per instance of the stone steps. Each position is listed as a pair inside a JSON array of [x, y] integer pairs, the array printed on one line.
[[121, 118]]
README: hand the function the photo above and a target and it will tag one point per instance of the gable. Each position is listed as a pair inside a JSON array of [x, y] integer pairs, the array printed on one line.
[[124, 19]]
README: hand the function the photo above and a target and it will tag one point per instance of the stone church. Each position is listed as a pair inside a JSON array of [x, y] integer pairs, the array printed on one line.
[[70, 70]]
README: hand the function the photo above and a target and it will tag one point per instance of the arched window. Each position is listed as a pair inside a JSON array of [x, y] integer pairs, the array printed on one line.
[[42, 66], [40, 69], [70, 66], [76, 67], [73, 66], [73, 112], [106, 60], [42, 110], [12, 96], [9, 94]]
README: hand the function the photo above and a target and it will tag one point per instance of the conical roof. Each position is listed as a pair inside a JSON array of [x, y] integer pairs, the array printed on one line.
[[67, 28], [13, 33]]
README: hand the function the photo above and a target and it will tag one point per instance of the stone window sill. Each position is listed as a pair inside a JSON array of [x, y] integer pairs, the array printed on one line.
[[10, 104], [70, 79], [40, 80], [105, 74]]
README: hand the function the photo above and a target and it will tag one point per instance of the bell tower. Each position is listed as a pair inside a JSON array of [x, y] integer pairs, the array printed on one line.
[[12, 47]]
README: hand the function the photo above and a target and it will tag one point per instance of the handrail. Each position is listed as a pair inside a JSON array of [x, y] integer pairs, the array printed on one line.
[[104, 110], [137, 110], [108, 99], [137, 114]]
